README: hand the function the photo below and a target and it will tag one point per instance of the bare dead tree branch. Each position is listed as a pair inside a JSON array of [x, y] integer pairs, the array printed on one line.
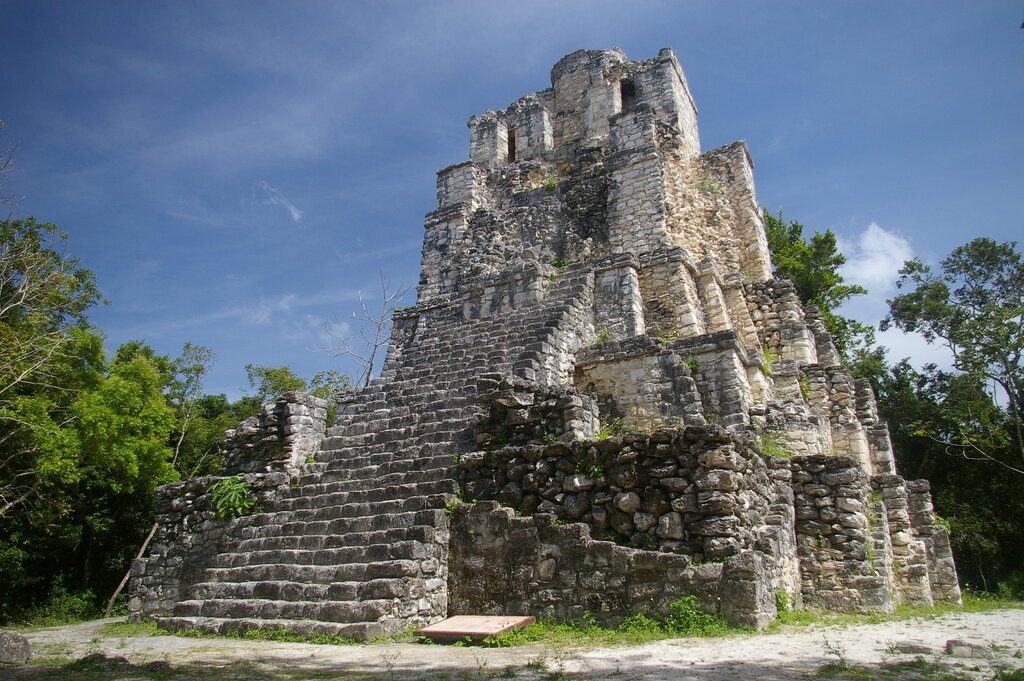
[[374, 330]]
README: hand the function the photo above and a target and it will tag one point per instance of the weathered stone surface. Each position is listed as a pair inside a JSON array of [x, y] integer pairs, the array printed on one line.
[[598, 345], [14, 648]]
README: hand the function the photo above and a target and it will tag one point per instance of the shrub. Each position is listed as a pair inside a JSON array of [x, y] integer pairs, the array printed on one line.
[[232, 498], [63, 607]]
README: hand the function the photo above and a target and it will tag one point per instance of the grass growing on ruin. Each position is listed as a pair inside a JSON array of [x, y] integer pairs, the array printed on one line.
[[685, 618], [973, 602], [278, 635]]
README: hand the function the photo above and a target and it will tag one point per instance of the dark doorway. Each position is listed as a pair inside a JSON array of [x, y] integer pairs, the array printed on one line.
[[628, 92], [511, 145]]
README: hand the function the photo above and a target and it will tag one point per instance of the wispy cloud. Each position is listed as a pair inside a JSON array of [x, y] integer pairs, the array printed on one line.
[[874, 258], [266, 195]]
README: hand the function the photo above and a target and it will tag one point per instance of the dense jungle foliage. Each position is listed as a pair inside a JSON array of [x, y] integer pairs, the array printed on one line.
[[86, 436]]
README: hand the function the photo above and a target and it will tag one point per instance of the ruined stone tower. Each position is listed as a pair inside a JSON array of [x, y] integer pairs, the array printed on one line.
[[601, 367]]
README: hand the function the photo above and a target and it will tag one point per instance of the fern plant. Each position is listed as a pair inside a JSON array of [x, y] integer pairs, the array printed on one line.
[[232, 498]]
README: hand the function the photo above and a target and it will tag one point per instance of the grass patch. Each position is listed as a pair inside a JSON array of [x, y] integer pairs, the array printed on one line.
[[770, 445], [279, 635], [685, 618], [973, 602], [918, 669], [129, 629]]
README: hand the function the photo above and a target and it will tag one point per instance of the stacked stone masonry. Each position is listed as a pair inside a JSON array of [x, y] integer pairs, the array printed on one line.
[[601, 402]]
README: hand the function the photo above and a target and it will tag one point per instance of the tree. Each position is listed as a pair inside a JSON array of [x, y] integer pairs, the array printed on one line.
[[925, 407], [975, 307], [6, 159], [813, 267], [44, 294], [190, 370], [374, 331], [270, 382]]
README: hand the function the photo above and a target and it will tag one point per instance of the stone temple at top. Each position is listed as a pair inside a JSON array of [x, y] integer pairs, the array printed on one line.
[[601, 402]]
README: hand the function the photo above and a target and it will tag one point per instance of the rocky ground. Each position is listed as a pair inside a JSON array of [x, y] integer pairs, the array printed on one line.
[[992, 647]]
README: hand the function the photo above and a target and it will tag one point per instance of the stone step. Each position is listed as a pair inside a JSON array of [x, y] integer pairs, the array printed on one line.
[[327, 611], [275, 590], [314, 574], [336, 556], [381, 493], [349, 510], [313, 542], [386, 480], [343, 525], [345, 459], [342, 474], [358, 631]]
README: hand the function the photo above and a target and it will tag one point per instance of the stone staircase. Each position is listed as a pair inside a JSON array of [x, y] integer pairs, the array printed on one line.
[[356, 549]]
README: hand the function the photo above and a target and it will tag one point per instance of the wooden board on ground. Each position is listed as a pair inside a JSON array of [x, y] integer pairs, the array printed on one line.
[[473, 627]]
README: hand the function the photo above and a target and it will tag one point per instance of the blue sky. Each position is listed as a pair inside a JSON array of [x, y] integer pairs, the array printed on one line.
[[236, 172]]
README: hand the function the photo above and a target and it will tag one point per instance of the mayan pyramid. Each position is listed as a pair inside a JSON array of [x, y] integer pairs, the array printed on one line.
[[602, 401]]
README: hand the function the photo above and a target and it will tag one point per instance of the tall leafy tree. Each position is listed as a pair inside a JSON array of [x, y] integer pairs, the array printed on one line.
[[926, 407], [974, 305], [269, 382], [186, 388], [44, 294], [813, 264]]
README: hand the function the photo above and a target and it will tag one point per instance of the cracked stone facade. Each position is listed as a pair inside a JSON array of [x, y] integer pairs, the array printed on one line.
[[601, 401]]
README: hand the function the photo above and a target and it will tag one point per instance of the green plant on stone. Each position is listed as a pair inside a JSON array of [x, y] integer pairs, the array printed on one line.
[[805, 387], [709, 186], [551, 184], [603, 336], [609, 428], [668, 337], [769, 444], [783, 601], [692, 363], [232, 498], [560, 263], [452, 504], [768, 360]]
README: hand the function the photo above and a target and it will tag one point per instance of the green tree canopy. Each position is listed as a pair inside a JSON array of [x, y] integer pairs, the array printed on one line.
[[269, 382], [813, 267], [975, 307]]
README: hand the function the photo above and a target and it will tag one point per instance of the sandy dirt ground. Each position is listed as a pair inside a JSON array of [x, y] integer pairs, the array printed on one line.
[[798, 653]]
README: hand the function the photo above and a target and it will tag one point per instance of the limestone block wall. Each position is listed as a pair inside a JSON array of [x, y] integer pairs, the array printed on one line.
[[636, 200], [941, 568], [521, 413], [618, 306], [672, 304], [504, 564], [697, 491], [285, 433], [462, 183], [840, 564], [910, 559], [640, 384], [188, 536], [723, 367]]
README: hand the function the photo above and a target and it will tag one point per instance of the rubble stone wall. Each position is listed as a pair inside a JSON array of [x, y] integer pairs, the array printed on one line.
[[504, 564]]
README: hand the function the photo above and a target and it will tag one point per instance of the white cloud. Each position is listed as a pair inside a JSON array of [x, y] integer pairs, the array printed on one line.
[[874, 258], [270, 196]]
